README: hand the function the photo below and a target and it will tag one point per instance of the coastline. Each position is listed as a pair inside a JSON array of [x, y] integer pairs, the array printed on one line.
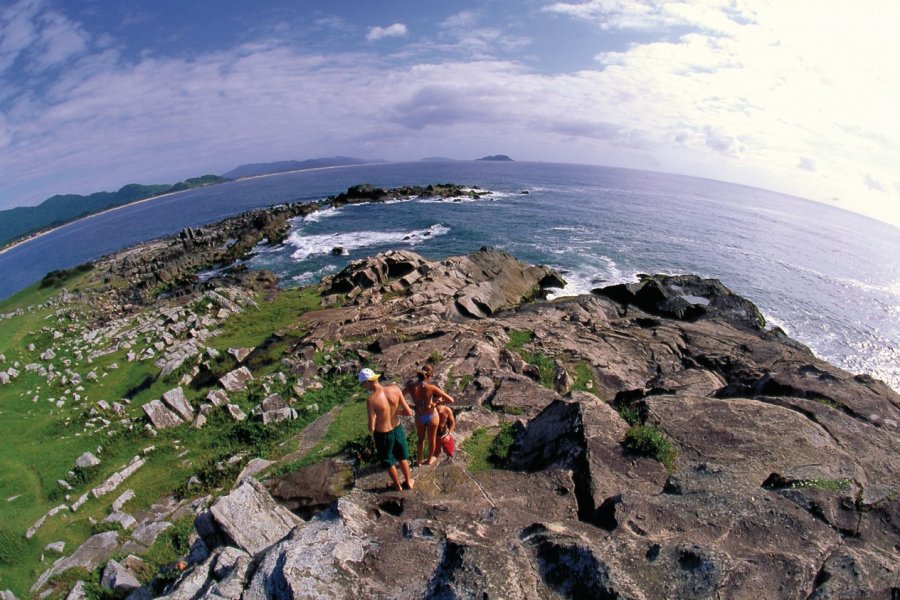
[[39, 234]]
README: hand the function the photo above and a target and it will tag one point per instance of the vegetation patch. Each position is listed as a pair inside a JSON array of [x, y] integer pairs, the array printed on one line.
[[584, 379], [488, 447], [647, 440], [518, 338], [57, 278]]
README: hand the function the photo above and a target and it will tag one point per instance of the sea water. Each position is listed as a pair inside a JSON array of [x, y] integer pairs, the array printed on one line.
[[830, 278]]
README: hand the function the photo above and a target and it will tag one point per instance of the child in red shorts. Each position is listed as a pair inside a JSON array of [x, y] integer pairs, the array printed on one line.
[[446, 425]]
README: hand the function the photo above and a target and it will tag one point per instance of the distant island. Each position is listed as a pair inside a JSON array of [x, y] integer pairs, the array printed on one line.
[[22, 221], [256, 169], [496, 157]]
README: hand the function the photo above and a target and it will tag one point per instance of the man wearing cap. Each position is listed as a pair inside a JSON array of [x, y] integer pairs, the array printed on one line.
[[385, 405]]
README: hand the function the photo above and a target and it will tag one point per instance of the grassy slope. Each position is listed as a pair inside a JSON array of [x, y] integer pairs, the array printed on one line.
[[39, 446]]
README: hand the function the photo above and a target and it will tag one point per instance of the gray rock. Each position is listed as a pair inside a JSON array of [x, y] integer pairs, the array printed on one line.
[[87, 460], [78, 591], [160, 416], [236, 381], [175, 400], [253, 467], [90, 555], [147, 533], [240, 354], [281, 414], [218, 397], [250, 517], [57, 547], [123, 519], [235, 411], [119, 579]]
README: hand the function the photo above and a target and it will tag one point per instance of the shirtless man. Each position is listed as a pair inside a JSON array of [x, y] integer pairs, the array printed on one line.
[[385, 405]]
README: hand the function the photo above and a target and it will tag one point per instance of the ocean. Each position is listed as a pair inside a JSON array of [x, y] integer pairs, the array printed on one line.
[[828, 277]]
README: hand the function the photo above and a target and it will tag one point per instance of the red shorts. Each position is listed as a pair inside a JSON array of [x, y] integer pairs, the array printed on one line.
[[446, 444]]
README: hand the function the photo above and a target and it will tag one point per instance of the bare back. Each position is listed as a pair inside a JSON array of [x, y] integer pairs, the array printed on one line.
[[384, 403]]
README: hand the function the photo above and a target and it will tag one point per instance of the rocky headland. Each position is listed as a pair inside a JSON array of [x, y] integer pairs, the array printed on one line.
[[648, 440]]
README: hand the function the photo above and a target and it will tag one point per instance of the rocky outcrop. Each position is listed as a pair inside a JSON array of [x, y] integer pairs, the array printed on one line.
[[664, 443]]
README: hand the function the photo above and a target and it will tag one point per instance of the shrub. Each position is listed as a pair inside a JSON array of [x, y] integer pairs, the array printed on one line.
[[647, 440]]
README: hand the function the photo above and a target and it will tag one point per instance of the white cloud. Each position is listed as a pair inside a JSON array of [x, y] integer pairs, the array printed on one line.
[[770, 99], [379, 33]]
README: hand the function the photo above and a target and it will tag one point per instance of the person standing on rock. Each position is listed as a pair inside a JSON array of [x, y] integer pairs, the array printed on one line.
[[446, 425], [385, 405], [426, 398]]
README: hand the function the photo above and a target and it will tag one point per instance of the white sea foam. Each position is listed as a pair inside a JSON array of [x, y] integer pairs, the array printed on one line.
[[317, 216], [604, 272], [312, 276], [312, 245]]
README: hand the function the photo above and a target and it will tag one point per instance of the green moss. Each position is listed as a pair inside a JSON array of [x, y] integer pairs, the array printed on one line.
[[647, 440]]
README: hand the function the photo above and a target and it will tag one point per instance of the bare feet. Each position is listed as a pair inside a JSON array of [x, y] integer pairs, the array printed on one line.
[[431, 460], [410, 484]]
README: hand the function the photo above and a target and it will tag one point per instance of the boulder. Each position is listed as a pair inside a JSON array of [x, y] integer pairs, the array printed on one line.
[[160, 416], [278, 415], [519, 395], [240, 354], [585, 435], [236, 381], [309, 490], [235, 412], [86, 461], [175, 400], [119, 579], [218, 398], [249, 517]]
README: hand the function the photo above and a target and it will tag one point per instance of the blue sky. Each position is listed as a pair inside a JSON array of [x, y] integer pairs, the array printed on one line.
[[797, 96]]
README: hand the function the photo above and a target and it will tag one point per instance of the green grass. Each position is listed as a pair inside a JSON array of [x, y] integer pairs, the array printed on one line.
[[251, 327], [518, 338], [584, 379], [647, 440], [488, 447], [41, 441]]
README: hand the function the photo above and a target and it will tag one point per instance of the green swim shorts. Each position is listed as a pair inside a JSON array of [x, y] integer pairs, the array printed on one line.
[[391, 446]]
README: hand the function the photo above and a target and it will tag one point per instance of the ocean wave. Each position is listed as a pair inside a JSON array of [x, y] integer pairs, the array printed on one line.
[[317, 216], [313, 245], [586, 278]]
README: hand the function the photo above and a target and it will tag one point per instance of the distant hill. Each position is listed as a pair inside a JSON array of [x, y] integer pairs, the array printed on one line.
[[498, 157], [254, 169], [57, 210]]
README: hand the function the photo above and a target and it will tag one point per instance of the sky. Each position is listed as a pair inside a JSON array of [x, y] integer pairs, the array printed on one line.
[[795, 96]]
